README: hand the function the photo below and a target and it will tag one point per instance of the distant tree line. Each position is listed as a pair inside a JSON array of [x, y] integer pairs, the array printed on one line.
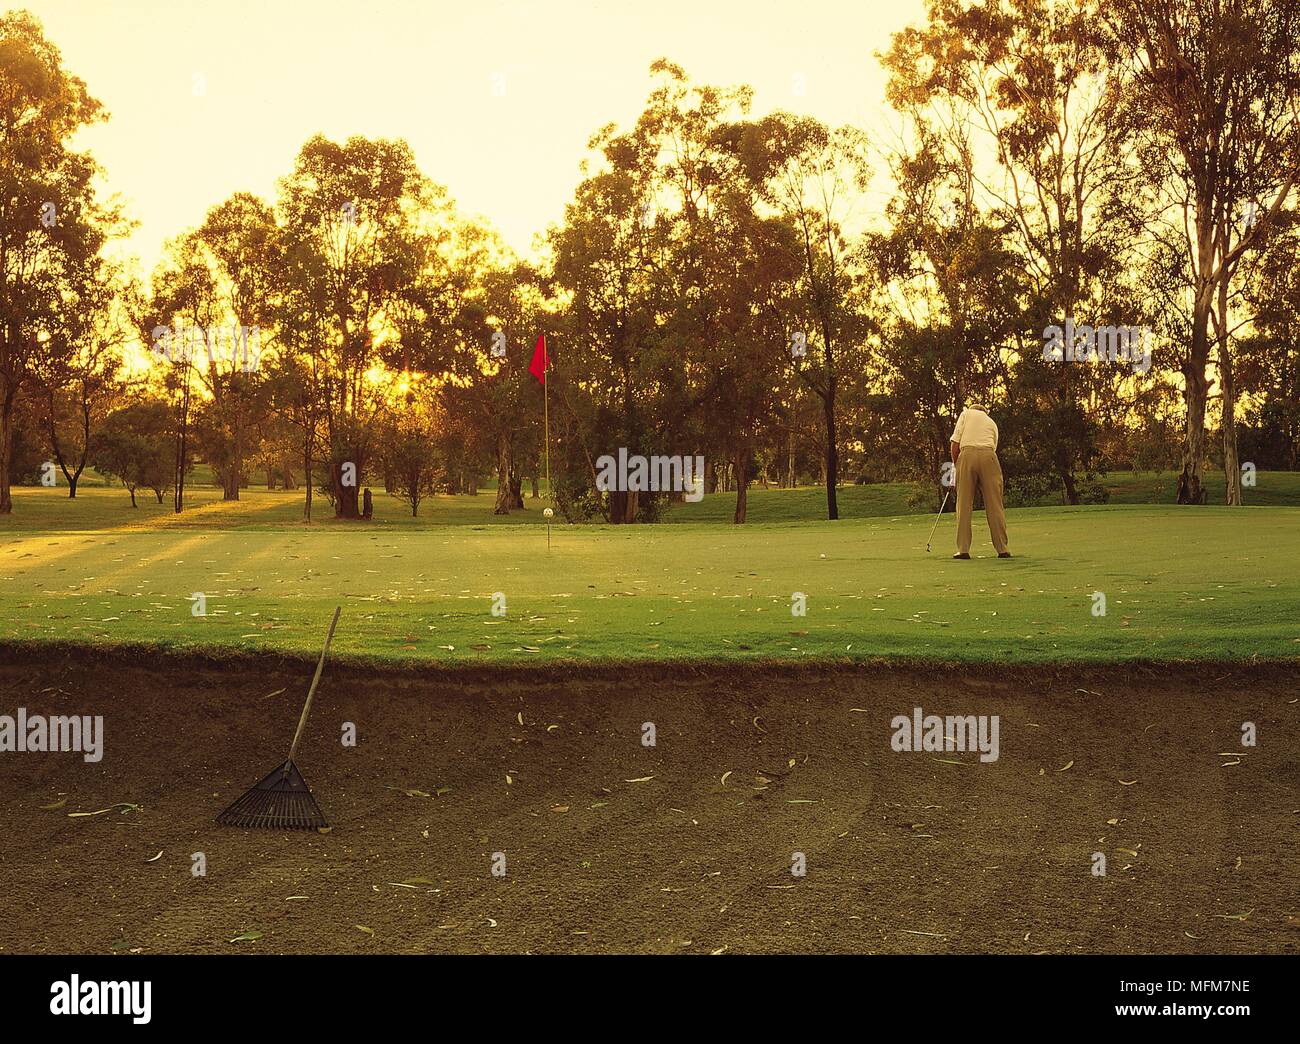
[[791, 301]]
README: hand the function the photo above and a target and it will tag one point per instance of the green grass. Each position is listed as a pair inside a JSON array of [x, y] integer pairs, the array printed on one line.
[[1200, 583], [1273, 488]]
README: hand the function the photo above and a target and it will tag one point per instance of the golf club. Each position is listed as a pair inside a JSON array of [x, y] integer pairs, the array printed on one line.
[[937, 517]]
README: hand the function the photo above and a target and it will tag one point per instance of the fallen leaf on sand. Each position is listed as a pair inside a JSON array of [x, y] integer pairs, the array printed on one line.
[[246, 937], [155, 858], [57, 805], [125, 806], [363, 928], [639, 779]]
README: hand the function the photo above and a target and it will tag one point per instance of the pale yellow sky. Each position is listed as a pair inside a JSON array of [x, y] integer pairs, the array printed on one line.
[[207, 98]]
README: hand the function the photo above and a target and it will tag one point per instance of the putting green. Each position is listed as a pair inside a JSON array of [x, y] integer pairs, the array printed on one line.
[[1198, 583]]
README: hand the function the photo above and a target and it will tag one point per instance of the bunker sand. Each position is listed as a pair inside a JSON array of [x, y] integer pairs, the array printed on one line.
[[686, 846]]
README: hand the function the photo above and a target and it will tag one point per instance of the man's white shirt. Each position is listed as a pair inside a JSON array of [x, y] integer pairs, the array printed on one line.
[[975, 430]]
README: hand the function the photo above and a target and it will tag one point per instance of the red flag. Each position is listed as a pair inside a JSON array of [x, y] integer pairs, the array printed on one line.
[[541, 360]]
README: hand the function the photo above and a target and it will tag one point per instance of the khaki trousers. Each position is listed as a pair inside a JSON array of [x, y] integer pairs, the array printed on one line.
[[980, 467]]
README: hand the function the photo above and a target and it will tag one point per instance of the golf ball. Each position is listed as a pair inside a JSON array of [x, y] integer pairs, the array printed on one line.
[[548, 512]]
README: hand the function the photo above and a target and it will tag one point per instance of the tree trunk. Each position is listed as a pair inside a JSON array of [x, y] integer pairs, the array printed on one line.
[[1068, 486], [346, 497], [832, 456], [742, 485], [182, 448], [505, 467], [306, 470], [1231, 465], [1195, 392], [230, 483], [6, 451]]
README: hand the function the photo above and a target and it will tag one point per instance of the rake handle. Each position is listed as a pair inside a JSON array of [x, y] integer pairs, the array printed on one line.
[[306, 707]]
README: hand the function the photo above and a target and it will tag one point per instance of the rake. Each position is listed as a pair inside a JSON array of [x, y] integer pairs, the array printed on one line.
[[283, 801]]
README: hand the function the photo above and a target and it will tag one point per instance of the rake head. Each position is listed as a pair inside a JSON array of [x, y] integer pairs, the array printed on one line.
[[282, 801]]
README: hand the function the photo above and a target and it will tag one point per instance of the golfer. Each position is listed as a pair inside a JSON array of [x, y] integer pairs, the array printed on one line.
[[975, 452]]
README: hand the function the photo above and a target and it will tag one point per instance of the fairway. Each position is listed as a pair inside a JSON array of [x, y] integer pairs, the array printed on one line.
[[1207, 584]]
